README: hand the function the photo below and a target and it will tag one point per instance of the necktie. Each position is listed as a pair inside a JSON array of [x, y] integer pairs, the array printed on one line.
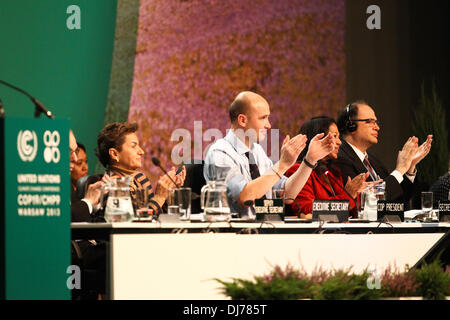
[[372, 172], [254, 171]]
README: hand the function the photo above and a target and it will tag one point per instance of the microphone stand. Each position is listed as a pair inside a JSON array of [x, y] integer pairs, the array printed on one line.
[[342, 187], [157, 163], [39, 107], [327, 173]]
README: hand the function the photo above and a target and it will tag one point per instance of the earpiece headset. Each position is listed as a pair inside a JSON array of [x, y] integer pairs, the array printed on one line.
[[350, 125]]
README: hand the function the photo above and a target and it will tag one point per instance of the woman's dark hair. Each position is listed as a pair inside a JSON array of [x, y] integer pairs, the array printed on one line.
[[81, 146], [311, 128], [112, 136]]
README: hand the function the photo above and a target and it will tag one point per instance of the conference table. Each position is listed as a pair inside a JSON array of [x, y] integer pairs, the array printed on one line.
[[176, 260]]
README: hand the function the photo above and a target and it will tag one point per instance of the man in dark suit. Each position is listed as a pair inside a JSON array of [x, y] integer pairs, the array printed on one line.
[[359, 127], [81, 210], [89, 255]]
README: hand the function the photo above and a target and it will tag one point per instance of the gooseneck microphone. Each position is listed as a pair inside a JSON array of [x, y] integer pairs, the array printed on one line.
[[327, 173], [39, 106], [157, 163]]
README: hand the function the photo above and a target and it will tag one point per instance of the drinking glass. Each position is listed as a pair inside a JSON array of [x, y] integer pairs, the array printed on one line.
[[277, 193], [360, 204], [179, 202], [427, 204], [143, 212]]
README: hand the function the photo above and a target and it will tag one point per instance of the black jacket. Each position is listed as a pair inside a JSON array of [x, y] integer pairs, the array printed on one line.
[[350, 165], [79, 209]]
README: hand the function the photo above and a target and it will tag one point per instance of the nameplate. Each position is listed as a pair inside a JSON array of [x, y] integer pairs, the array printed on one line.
[[330, 210], [390, 211], [269, 209], [168, 218], [444, 210]]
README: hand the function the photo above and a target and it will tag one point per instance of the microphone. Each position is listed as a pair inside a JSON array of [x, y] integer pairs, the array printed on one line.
[[157, 163], [327, 173], [39, 106]]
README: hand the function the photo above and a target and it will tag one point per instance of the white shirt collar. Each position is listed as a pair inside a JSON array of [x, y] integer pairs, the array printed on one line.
[[361, 155], [237, 143]]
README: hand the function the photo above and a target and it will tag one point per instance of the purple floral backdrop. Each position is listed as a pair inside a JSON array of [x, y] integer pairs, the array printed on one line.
[[194, 57]]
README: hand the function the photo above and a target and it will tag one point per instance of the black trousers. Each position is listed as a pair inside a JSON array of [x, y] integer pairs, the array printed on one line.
[[92, 264]]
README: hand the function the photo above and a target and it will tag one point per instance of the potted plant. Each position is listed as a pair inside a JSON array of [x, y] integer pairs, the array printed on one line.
[[431, 281], [429, 118]]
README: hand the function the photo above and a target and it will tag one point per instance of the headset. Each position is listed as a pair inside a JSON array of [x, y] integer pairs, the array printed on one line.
[[350, 125]]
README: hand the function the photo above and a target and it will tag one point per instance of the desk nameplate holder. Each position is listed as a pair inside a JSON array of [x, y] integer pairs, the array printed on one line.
[[168, 218], [269, 210], [330, 210], [444, 211], [390, 211]]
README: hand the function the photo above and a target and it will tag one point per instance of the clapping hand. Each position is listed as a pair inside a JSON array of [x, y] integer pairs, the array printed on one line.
[[291, 149], [319, 148], [356, 184], [165, 183], [421, 153], [179, 178], [405, 156], [94, 192]]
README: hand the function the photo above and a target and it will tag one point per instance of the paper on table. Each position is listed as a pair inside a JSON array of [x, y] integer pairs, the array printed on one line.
[[410, 214]]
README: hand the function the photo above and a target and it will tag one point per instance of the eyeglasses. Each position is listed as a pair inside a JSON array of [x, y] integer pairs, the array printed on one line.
[[369, 121]]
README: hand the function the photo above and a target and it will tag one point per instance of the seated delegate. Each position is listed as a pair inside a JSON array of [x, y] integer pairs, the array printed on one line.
[[80, 168], [251, 173], [119, 152], [325, 181]]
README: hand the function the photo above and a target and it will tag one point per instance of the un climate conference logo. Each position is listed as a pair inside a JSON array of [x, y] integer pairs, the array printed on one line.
[[27, 145], [51, 151]]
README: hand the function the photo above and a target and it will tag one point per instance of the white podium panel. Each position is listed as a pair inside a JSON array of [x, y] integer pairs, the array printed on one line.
[[184, 266]]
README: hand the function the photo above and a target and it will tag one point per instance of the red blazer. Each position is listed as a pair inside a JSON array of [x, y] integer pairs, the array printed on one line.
[[317, 188]]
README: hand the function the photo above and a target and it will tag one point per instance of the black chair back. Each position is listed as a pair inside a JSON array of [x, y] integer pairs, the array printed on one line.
[[195, 180]]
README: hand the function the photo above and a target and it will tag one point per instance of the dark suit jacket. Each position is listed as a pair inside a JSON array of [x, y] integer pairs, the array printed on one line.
[[79, 209], [80, 212], [351, 165]]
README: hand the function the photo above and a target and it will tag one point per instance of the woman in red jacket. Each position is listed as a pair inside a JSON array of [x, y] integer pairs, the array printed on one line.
[[325, 182]]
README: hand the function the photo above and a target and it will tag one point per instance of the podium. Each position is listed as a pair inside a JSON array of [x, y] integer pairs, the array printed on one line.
[[34, 209]]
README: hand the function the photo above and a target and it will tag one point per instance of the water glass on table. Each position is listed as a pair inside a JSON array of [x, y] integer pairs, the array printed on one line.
[[277, 193], [360, 204], [427, 204], [179, 202], [143, 212]]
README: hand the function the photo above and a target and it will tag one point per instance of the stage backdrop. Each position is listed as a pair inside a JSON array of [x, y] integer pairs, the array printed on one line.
[[194, 57]]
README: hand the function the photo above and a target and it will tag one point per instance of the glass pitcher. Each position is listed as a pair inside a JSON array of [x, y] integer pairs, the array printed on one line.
[[214, 202], [372, 194], [119, 207]]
